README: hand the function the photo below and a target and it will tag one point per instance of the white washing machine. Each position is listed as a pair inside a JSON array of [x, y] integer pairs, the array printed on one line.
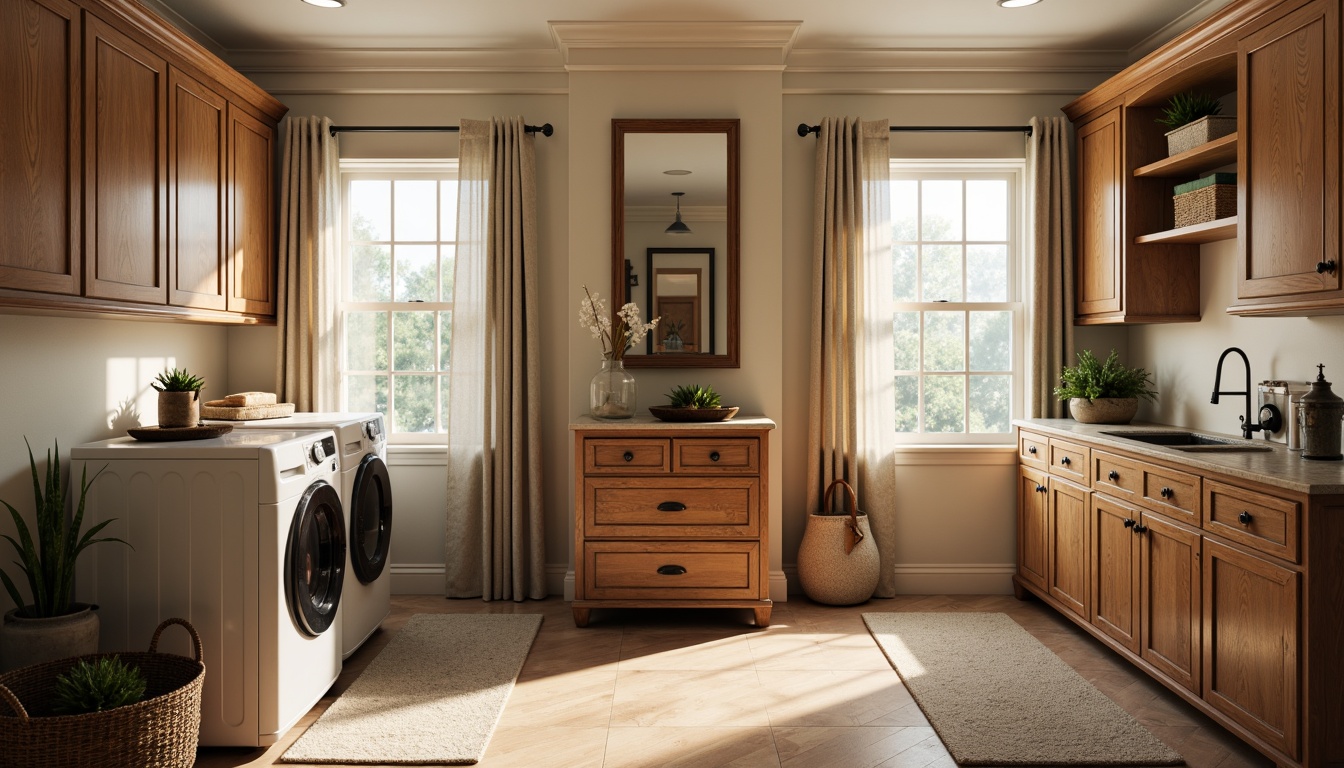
[[243, 536], [366, 492]]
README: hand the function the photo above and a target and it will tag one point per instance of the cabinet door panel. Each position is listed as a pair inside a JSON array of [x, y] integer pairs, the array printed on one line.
[[1069, 582], [1099, 222], [126, 168], [251, 215], [1115, 557], [1170, 588], [197, 265], [1033, 527], [39, 155]]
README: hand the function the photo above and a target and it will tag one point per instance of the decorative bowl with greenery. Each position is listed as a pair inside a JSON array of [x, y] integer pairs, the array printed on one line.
[[692, 402], [95, 685], [1103, 392], [1185, 108]]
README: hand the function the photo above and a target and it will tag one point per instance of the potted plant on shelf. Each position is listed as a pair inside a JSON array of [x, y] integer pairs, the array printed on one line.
[[1103, 393], [51, 625], [1193, 120], [179, 398]]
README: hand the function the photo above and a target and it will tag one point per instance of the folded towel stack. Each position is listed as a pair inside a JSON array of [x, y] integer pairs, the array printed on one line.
[[245, 406]]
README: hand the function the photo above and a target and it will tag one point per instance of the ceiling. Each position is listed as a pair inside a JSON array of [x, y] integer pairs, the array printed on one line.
[[1059, 25]]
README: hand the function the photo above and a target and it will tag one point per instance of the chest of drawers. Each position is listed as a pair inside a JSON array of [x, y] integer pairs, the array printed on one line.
[[671, 515]]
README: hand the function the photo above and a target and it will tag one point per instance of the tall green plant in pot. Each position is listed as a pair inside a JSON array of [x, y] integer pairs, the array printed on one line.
[[1103, 393], [49, 624], [179, 398]]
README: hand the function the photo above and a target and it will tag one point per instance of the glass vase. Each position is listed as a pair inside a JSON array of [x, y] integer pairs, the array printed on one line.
[[612, 391]]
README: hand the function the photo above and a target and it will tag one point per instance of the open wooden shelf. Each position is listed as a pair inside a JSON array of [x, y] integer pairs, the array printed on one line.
[[1219, 152], [1208, 232]]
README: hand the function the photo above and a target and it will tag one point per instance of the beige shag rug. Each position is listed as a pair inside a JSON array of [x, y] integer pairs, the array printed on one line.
[[996, 696], [431, 697]]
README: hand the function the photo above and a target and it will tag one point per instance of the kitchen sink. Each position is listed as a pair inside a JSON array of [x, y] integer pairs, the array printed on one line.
[[1189, 441]]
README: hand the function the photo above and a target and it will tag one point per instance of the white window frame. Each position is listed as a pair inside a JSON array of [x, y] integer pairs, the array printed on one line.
[[1014, 171], [395, 170]]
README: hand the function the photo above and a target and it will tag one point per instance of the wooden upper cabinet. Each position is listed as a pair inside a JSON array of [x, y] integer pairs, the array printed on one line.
[[251, 243], [39, 150], [126, 169], [1100, 247], [1289, 101], [198, 267]]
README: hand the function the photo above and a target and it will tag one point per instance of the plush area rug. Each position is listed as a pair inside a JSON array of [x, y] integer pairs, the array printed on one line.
[[431, 697], [996, 696]]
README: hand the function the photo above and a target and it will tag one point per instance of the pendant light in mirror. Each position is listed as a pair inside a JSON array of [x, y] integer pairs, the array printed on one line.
[[678, 227]]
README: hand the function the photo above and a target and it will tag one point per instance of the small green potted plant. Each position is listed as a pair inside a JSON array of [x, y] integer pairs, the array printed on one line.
[[1103, 393], [1193, 119], [179, 398], [672, 341], [98, 684], [49, 625]]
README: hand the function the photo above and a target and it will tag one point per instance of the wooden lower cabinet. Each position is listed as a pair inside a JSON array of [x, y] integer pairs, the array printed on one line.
[[1169, 599], [1069, 571], [1033, 526], [1115, 552], [671, 515]]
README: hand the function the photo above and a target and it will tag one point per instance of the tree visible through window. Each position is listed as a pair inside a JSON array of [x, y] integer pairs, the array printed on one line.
[[958, 313], [397, 294]]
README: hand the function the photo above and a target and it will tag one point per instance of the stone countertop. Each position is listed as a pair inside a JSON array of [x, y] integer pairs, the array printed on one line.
[[1278, 467], [648, 421]]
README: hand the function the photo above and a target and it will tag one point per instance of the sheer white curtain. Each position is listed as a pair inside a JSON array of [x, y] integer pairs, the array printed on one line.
[[1048, 175], [494, 543], [307, 373], [852, 420]]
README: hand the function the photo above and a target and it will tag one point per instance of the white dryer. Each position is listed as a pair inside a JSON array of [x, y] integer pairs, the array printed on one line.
[[366, 492], [243, 536]]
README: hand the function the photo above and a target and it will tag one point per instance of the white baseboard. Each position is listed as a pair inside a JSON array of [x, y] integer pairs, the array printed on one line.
[[427, 579], [942, 578]]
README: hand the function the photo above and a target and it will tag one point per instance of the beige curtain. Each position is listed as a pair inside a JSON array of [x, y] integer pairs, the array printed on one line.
[[495, 547], [851, 421], [307, 373], [1048, 174]]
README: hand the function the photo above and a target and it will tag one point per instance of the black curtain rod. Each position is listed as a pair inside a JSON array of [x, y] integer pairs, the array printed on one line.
[[804, 129], [544, 130]]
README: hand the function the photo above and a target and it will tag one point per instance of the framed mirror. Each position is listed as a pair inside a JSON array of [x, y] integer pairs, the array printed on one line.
[[675, 238]]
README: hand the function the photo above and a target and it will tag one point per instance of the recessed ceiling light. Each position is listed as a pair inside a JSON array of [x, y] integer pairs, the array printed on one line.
[[326, 3], [1017, 3], [676, 172]]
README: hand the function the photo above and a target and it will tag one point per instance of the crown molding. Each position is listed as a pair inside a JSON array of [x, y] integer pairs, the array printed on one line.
[[406, 60], [1178, 25], [960, 60], [665, 45]]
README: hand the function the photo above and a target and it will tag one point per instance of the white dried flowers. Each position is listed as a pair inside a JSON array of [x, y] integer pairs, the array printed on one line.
[[628, 331]]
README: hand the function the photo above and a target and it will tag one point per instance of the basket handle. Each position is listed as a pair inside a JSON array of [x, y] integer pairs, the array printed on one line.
[[13, 702], [852, 533], [195, 636]]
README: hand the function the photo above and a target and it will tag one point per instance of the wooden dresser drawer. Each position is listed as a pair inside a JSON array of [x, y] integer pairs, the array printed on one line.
[[1117, 476], [1171, 492], [710, 456], [663, 570], [1258, 520], [1069, 460], [669, 507], [1033, 449], [627, 456]]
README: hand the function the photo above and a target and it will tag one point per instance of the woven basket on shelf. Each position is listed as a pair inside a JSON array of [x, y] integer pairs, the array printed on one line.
[[1206, 199], [159, 731], [1201, 131]]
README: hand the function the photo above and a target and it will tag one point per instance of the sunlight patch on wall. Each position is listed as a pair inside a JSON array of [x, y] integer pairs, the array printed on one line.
[[130, 401]]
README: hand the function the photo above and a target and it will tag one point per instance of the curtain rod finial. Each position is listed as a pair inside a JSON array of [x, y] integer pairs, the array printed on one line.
[[804, 129]]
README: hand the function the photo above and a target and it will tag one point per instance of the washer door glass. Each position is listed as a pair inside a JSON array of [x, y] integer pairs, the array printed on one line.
[[370, 519], [315, 559]]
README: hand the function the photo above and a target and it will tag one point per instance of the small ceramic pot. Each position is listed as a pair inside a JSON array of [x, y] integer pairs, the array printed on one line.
[[1104, 410], [32, 641], [179, 409]]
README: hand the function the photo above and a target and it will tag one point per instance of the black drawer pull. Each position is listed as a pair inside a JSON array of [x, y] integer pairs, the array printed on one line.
[[671, 506], [1166, 493], [1325, 266], [1040, 489], [1129, 523], [1245, 517], [671, 570], [1113, 476], [1065, 461], [1031, 449], [1140, 528], [628, 456], [713, 455]]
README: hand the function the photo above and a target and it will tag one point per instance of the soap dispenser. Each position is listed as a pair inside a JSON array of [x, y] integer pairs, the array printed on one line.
[[1322, 411]]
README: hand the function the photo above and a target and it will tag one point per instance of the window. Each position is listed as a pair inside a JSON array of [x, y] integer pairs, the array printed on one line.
[[396, 306], [958, 317]]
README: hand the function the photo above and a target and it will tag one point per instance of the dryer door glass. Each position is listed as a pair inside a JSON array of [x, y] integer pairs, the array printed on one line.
[[370, 519], [315, 559]]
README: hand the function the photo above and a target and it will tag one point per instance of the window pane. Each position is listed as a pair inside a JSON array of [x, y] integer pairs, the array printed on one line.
[[366, 341], [364, 394], [417, 210], [417, 273], [986, 209], [986, 273], [371, 210], [907, 403], [941, 218], [944, 341], [413, 341], [944, 404], [447, 263], [415, 404], [371, 273], [991, 341], [905, 337], [448, 210], [445, 340], [991, 403], [904, 210], [941, 273], [904, 272]]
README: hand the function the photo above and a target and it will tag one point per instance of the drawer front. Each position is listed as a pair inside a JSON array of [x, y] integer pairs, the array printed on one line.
[[660, 508], [1033, 449], [740, 456], [1266, 523], [1116, 476], [626, 456], [1069, 460], [1172, 493], [663, 570]]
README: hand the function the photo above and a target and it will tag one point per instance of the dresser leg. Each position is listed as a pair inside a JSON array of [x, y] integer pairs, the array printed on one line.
[[762, 616], [581, 617]]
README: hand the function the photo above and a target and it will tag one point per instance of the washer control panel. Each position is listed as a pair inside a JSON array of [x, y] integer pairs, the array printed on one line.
[[322, 451], [373, 430]]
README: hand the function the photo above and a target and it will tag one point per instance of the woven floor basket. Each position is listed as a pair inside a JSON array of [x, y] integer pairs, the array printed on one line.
[[1216, 201], [158, 732]]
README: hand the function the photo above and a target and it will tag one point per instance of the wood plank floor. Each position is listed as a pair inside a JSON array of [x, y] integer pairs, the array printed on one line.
[[703, 689]]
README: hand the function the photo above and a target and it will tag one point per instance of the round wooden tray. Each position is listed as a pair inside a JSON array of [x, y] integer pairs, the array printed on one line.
[[170, 434], [669, 413]]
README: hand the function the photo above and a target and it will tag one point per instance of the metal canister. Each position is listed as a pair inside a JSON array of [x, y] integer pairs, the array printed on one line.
[[1285, 396], [1322, 411]]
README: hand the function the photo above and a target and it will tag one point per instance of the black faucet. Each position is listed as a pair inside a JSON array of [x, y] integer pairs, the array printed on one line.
[[1272, 423]]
